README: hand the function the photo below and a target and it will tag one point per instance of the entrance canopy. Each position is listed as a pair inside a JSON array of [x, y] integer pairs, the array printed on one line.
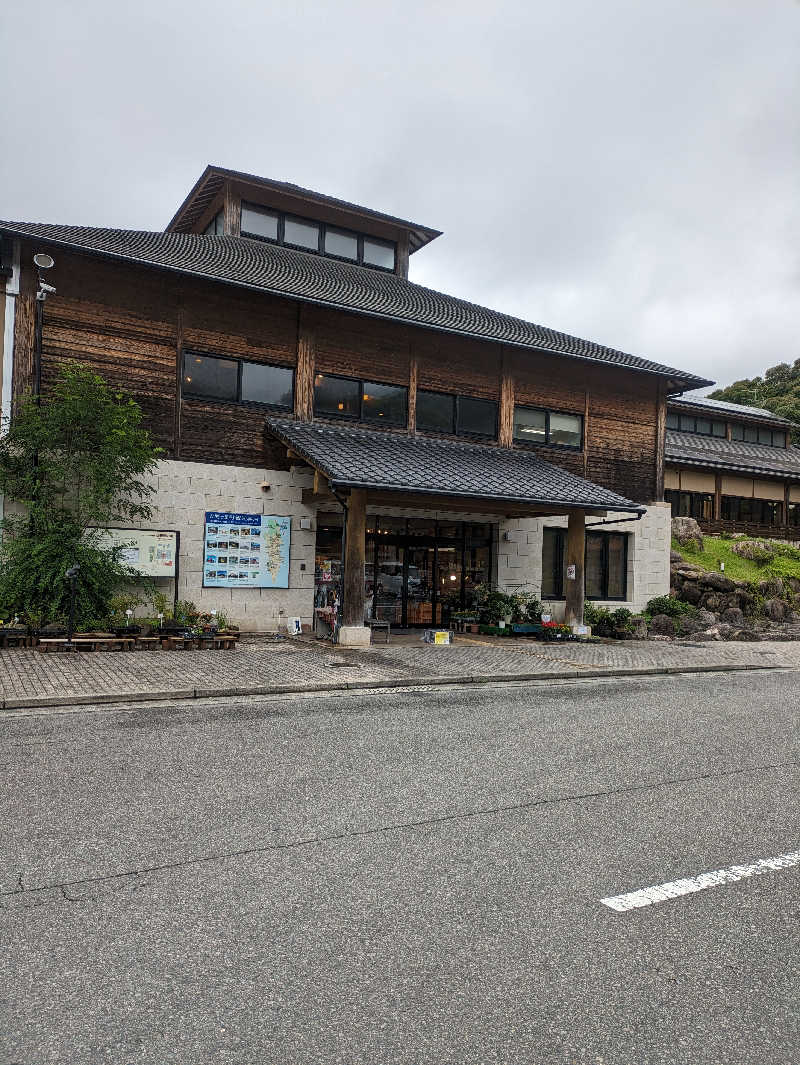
[[352, 458]]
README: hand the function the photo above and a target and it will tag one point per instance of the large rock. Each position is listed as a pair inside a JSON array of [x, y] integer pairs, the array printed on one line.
[[712, 633], [691, 592], [733, 616], [718, 581], [754, 550], [746, 636], [687, 532], [675, 556], [775, 609], [772, 588], [706, 618], [662, 625]]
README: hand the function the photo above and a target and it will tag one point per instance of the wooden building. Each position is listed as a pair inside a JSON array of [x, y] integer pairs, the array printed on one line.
[[289, 368], [732, 468]]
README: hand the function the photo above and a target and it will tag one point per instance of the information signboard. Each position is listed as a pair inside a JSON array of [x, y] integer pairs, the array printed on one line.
[[152, 552], [246, 550]]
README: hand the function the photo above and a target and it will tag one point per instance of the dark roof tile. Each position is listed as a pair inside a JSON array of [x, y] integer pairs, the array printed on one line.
[[691, 449], [299, 275], [352, 457]]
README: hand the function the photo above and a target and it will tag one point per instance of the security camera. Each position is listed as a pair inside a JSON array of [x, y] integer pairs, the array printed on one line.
[[48, 289]]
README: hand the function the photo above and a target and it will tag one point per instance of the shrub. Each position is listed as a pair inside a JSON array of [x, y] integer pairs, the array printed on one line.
[[665, 604], [610, 624]]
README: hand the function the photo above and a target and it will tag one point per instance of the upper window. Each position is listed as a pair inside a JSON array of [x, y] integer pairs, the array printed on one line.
[[440, 412], [688, 423], [216, 227], [259, 222], [301, 233], [366, 401], [535, 426], [237, 381], [753, 434], [310, 235]]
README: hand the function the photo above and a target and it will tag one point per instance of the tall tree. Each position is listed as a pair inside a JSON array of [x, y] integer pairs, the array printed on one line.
[[74, 463], [777, 391]]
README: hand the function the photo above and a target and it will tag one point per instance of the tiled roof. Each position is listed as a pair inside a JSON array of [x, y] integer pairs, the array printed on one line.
[[352, 457], [212, 180], [316, 279], [690, 449], [712, 405]]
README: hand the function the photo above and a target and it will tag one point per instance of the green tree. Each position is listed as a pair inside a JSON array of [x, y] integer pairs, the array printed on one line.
[[74, 463], [777, 391]]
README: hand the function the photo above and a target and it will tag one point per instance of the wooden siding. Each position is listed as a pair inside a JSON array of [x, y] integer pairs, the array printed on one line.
[[131, 325]]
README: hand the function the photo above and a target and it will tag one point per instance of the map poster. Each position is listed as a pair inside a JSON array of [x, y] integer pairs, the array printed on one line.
[[151, 552], [246, 550]]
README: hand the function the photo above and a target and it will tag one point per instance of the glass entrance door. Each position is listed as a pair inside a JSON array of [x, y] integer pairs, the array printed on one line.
[[386, 592], [419, 584]]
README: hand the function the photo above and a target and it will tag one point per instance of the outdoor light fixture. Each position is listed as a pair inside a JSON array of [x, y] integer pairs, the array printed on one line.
[[72, 577]]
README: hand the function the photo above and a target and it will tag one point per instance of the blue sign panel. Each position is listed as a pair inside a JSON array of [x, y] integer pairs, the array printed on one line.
[[246, 550]]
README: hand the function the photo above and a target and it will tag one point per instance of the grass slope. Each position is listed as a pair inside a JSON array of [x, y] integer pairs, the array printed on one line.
[[716, 550]]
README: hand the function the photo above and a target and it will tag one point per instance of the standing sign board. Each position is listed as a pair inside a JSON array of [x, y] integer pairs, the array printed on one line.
[[153, 553], [246, 550]]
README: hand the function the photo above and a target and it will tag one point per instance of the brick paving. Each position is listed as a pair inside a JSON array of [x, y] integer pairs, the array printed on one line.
[[30, 678]]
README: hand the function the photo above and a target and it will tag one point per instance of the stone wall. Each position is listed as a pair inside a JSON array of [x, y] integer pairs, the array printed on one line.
[[519, 556], [186, 490]]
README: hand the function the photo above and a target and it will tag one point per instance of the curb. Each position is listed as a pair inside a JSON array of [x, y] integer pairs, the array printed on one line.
[[186, 694]]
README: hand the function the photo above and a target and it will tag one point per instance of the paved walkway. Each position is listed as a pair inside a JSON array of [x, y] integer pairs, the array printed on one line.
[[28, 678]]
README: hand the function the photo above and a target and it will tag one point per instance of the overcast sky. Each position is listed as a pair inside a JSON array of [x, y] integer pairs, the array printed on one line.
[[626, 171]]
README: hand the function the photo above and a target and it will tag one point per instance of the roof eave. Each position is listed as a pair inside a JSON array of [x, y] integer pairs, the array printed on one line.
[[689, 381]]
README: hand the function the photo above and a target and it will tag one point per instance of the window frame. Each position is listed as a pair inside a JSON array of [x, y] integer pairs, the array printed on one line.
[[456, 418], [695, 418], [606, 534], [256, 404], [775, 505], [674, 496], [359, 417], [323, 228], [547, 411]]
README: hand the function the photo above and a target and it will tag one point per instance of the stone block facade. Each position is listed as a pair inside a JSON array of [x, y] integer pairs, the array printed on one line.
[[519, 556]]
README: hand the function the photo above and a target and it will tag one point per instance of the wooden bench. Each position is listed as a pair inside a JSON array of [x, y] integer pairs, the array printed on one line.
[[380, 625], [146, 642], [87, 643], [178, 643]]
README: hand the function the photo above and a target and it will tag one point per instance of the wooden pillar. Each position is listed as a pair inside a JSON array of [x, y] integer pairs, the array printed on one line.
[[787, 498], [354, 558], [718, 497], [401, 263], [232, 212], [661, 436], [576, 549], [304, 376], [413, 373], [506, 435]]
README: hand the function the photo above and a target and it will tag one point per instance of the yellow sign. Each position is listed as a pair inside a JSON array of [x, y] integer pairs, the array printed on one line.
[[441, 637]]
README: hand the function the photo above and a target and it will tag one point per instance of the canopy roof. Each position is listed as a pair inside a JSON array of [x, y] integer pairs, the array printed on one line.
[[352, 457]]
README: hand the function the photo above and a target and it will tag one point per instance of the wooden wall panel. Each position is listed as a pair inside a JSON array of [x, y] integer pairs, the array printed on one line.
[[465, 367], [361, 347], [228, 434]]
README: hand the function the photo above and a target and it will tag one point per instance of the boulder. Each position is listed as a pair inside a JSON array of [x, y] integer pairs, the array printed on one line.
[[689, 623], [690, 592], [793, 584], [746, 636], [775, 609], [687, 532], [708, 634], [706, 618], [772, 588], [718, 581], [711, 601], [675, 556], [733, 616], [754, 550], [662, 625]]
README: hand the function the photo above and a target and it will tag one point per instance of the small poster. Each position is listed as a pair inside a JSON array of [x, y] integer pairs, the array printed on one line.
[[246, 550], [151, 552]]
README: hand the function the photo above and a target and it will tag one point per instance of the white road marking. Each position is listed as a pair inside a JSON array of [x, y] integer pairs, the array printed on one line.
[[673, 889]]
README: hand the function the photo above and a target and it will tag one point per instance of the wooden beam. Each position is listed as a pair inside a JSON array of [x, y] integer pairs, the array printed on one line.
[[232, 209], [718, 497], [354, 558], [787, 498], [506, 434], [413, 372], [304, 376], [661, 437], [585, 431], [576, 549], [401, 264]]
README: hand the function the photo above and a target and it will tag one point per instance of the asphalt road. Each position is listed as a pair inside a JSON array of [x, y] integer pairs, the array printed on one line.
[[405, 877]]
